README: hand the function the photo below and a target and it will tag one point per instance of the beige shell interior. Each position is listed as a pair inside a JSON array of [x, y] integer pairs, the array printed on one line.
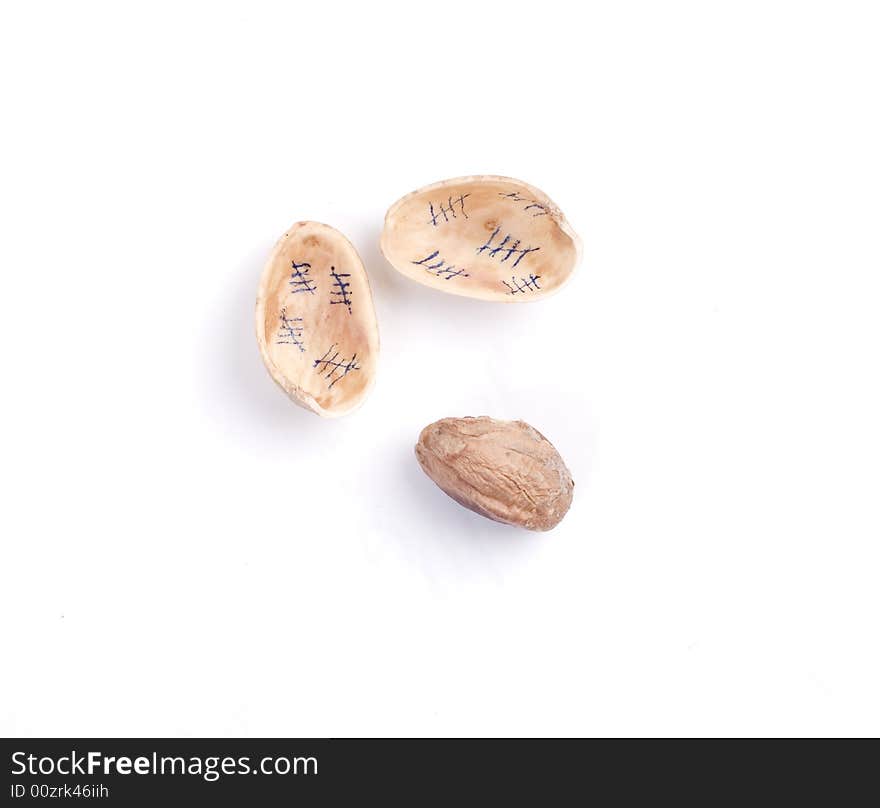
[[488, 237], [316, 326]]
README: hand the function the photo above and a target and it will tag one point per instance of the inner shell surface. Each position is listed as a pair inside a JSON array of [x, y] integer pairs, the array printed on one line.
[[315, 319], [489, 238]]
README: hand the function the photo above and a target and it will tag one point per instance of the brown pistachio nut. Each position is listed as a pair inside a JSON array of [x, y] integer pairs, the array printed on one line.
[[504, 470], [488, 237], [316, 326]]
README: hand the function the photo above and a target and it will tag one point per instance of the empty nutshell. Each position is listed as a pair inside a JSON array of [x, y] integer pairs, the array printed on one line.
[[487, 237], [316, 325], [503, 470]]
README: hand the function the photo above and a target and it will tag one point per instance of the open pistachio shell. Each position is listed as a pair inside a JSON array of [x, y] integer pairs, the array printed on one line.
[[316, 326], [488, 237]]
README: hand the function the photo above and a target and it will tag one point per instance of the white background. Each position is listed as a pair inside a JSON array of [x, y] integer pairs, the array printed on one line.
[[185, 552]]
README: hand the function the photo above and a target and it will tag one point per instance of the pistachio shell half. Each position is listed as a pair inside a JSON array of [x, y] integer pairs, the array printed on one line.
[[316, 326], [488, 237]]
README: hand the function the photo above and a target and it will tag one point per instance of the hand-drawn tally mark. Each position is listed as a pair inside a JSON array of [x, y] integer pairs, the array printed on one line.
[[300, 280], [341, 289], [509, 246], [529, 284], [537, 208], [337, 368], [440, 268], [291, 331], [448, 209]]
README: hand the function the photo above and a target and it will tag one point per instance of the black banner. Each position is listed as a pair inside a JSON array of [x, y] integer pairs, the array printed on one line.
[[322, 771]]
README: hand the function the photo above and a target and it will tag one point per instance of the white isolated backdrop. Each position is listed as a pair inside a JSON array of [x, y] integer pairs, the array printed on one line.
[[185, 552]]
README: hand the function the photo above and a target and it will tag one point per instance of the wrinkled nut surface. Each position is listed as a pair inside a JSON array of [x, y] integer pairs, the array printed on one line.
[[505, 470], [488, 237], [316, 326]]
